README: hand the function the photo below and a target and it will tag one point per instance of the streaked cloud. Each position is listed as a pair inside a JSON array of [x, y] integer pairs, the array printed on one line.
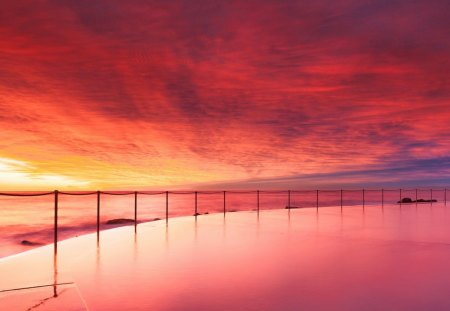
[[159, 93]]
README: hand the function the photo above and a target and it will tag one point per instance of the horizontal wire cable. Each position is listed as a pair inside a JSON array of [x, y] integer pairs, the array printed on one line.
[[182, 192], [151, 192], [77, 193], [116, 193], [210, 192], [273, 191], [25, 194], [12, 194], [304, 191], [242, 191]]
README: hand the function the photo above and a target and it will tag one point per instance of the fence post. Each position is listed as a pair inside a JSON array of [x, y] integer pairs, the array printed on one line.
[[135, 211], [317, 199], [382, 197], [55, 229], [431, 196], [195, 212], [167, 207], [416, 196], [98, 216], [224, 204], [289, 199], [257, 200], [341, 199], [400, 194]]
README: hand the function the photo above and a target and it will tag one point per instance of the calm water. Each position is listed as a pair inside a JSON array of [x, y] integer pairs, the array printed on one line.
[[388, 257], [31, 218]]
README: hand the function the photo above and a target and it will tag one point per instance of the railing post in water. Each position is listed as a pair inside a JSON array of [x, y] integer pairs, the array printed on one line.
[[167, 207], [224, 203], [400, 194], [55, 229], [135, 211], [196, 209], [98, 216], [416, 196], [289, 199], [257, 200], [341, 199], [317, 199]]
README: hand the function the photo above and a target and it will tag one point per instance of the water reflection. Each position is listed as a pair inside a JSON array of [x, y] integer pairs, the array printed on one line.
[[224, 228], [97, 259], [55, 275], [135, 246], [167, 236], [289, 222], [195, 229], [362, 262]]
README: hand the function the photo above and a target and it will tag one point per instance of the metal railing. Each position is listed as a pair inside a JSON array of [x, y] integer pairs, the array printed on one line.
[[288, 193]]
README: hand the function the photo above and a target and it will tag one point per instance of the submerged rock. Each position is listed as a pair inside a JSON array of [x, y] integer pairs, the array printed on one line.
[[29, 243], [406, 200], [206, 213], [409, 200], [119, 221]]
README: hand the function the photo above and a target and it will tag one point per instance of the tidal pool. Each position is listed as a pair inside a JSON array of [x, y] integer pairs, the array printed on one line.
[[355, 258]]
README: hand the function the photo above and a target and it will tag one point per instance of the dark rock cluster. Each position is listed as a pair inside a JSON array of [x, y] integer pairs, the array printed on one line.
[[409, 200], [119, 221]]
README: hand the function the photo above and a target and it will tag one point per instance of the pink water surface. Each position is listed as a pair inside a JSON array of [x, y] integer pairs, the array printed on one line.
[[356, 258]]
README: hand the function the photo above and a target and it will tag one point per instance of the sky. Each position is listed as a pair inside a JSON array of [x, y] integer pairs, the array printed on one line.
[[224, 94]]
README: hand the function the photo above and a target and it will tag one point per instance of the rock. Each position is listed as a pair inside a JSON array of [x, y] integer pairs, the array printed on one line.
[[155, 219], [406, 200], [409, 200], [29, 243], [426, 201], [119, 221]]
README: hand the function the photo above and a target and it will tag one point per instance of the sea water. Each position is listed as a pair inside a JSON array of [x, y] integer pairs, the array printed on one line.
[[28, 222]]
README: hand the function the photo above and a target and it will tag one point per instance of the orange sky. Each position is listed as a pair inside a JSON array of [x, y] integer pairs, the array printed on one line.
[[114, 94]]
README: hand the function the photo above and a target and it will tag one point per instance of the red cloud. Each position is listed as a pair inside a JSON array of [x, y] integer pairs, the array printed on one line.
[[154, 93]]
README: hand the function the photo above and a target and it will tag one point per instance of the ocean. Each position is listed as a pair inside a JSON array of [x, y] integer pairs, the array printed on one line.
[[28, 222]]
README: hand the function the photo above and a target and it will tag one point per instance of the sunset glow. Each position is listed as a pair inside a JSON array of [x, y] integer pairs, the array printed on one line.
[[173, 94]]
